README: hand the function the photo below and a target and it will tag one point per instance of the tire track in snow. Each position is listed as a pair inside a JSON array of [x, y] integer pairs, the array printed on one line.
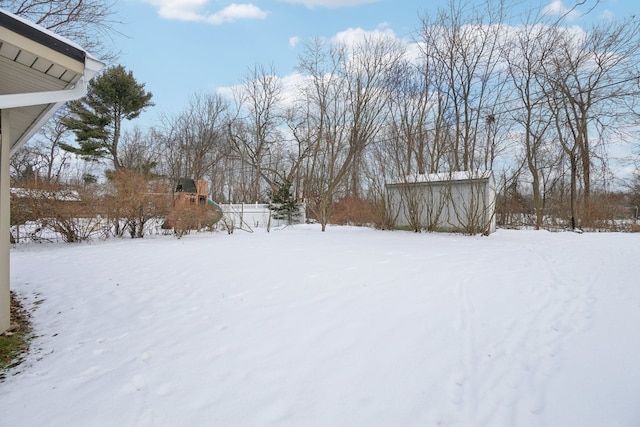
[[464, 388], [565, 305], [509, 388], [569, 310]]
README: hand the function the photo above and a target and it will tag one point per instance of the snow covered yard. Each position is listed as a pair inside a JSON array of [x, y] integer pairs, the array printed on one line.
[[352, 327]]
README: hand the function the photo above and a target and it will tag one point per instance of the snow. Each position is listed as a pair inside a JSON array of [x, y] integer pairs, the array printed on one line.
[[352, 327], [451, 176], [34, 193]]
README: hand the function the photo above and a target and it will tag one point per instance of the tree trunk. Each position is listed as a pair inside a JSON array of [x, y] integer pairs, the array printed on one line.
[[574, 191]]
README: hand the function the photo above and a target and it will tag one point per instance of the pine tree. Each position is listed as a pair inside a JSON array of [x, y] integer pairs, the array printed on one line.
[[96, 119], [283, 204]]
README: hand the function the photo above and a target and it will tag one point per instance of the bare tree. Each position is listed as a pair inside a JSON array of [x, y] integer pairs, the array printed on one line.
[[589, 81], [413, 140], [23, 167], [254, 130], [464, 44], [414, 119], [344, 107], [140, 151], [47, 144], [194, 142], [42, 158], [525, 53], [320, 125]]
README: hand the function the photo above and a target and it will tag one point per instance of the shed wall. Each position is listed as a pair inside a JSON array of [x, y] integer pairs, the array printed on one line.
[[458, 205]]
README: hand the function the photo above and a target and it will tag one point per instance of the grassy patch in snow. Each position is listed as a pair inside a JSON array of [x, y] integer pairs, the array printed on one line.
[[14, 343]]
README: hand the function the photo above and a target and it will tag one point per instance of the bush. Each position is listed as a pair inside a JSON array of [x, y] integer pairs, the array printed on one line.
[[133, 200], [72, 212], [353, 211]]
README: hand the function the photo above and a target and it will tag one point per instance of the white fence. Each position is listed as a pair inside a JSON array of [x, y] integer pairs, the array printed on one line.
[[254, 215]]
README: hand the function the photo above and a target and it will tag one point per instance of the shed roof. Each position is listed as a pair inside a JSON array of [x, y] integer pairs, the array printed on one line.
[[432, 178]]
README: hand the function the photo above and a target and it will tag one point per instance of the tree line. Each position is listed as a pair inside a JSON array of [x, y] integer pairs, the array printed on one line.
[[539, 103]]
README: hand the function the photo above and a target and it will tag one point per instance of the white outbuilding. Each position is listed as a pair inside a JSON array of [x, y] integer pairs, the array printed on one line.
[[39, 72], [455, 202]]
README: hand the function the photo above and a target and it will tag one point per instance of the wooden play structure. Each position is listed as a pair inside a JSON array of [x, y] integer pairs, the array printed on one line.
[[192, 208], [190, 192]]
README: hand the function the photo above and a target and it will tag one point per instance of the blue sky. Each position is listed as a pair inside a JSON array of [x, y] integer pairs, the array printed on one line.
[[180, 47]]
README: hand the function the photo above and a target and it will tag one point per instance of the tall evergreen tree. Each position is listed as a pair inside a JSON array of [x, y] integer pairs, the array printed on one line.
[[96, 119]]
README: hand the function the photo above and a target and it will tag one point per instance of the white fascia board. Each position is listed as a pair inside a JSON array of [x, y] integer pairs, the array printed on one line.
[[17, 100], [92, 66]]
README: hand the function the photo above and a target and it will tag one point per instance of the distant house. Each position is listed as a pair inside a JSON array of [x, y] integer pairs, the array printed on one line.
[[456, 202]]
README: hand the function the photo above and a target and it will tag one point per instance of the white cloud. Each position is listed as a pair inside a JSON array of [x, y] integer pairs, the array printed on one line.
[[289, 84], [294, 41], [329, 3], [556, 7], [608, 15], [234, 12], [353, 36], [195, 11], [226, 91]]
